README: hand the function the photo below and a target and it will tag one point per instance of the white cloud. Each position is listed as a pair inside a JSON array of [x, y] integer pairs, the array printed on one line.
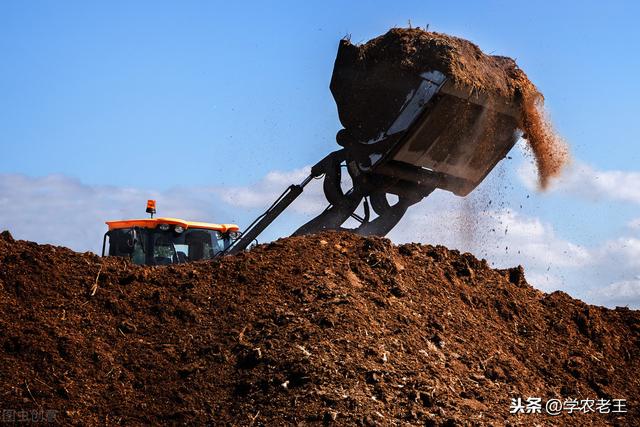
[[634, 224], [61, 210], [622, 293], [503, 236], [263, 193], [496, 232], [544, 280], [586, 182], [506, 237], [624, 251]]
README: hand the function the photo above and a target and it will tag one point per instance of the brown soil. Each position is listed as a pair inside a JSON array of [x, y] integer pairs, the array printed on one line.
[[371, 80], [329, 328], [551, 153]]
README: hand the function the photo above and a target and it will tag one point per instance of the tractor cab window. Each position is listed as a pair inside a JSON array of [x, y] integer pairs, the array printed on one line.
[[164, 252], [165, 247], [201, 244], [192, 244], [126, 242]]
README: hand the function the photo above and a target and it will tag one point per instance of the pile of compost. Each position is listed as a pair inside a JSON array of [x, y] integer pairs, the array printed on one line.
[[371, 82], [329, 328]]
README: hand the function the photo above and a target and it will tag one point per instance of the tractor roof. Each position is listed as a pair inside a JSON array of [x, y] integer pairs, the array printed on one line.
[[154, 222]]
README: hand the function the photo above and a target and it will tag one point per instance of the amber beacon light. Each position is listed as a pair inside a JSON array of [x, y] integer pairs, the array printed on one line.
[[151, 207]]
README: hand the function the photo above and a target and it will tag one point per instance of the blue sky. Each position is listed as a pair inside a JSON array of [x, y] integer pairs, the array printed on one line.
[[208, 98]]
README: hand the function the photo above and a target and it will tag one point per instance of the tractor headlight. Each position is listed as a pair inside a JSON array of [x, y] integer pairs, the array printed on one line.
[[163, 227], [178, 229], [233, 235]]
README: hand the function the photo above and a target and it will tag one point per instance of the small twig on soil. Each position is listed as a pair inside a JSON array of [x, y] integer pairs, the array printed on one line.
[[94, 288], [253, 419], [241, 334], [32, 398], [483, 363], [306, 352], [44, 384]]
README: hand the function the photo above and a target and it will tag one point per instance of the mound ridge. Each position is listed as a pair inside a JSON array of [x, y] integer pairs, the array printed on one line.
[[331, 328]]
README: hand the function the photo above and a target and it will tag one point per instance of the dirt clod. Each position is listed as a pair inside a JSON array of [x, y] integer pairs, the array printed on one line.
[[6, 236]]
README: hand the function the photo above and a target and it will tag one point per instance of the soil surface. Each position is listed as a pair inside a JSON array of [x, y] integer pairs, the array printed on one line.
[[324, 329], [371, 81]]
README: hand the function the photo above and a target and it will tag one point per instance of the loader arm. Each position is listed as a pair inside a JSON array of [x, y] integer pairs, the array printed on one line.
[[442, 137], [286, 198]]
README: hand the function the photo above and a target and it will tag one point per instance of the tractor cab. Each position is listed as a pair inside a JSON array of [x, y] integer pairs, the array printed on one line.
[[165, 241]]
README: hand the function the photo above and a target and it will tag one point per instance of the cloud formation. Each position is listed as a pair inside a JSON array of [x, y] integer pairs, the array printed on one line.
[[634, 224], [582, 180], [623, 293], [263, 193], [61, 210]]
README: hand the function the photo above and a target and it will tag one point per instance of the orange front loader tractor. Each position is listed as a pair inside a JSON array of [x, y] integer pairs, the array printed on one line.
[[163, 241], [444, 136]]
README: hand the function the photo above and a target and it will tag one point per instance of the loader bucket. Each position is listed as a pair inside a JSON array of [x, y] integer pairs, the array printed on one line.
[[419, 129], [458, 137]]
